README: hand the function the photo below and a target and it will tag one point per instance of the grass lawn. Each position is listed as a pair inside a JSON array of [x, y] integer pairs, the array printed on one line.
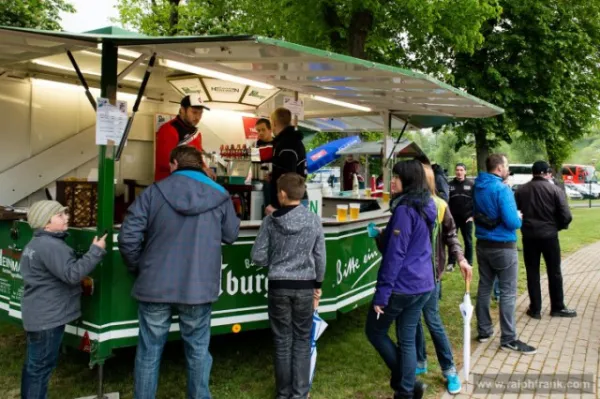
[[348, 367]]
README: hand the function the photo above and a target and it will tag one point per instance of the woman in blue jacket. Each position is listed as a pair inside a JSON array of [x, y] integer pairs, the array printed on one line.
[[406, 277]]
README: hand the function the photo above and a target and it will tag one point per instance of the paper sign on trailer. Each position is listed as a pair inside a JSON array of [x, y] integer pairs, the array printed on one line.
[[111, 121], [296, 107]]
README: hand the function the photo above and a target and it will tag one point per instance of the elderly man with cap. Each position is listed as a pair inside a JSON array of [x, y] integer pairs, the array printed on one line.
[[545, 213], [179, 131]]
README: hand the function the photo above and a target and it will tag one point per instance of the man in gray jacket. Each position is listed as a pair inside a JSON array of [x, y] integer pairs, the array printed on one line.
[[171, 241]]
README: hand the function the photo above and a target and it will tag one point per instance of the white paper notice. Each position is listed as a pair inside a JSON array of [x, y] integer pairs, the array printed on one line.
[[296, 107], [110, 121]]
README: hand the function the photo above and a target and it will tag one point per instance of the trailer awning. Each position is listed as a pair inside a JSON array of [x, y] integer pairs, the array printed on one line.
[[403, 148], [340, 93]]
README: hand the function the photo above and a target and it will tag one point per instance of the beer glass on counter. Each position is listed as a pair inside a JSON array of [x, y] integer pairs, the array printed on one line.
[[342, 213], [354, 211], [386, 197]]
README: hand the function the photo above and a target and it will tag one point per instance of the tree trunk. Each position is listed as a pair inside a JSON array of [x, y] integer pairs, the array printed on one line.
[[174, 17], [554, 161], [361, 25], [482, 147], [334, 23]]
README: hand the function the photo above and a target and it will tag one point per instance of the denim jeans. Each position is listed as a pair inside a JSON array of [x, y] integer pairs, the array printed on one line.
[[194, 324], [431, 313], [43, 348], [290, 315], [400, 357], [502, 263]]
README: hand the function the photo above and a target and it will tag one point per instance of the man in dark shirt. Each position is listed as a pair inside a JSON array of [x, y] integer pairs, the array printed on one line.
[[461, 208], [545, 213], [289, 154]]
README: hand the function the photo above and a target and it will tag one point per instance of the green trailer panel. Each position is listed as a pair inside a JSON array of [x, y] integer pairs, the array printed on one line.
[[110, 319]]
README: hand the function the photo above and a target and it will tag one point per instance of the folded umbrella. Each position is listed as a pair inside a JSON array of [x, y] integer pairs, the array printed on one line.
[[319, 325], [466, 309]]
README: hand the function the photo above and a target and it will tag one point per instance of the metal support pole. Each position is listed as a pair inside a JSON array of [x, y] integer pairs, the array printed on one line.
[[101, 382], [136, 106], [387, 122], [106, 181], [106, 158], [397, 141], [296, 116], [88, 94]]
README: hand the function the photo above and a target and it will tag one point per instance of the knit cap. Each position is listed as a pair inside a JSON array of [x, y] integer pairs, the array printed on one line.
[[41, 212]]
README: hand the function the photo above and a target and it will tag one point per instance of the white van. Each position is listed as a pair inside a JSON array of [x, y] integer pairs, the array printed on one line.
[[519, 174]]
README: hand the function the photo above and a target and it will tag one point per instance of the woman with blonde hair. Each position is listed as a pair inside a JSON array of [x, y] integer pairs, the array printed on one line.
[[444, 235]]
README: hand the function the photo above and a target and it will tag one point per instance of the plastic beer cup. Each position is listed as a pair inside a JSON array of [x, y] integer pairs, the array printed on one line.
[[354, 211], [386, 196], [342, 213]]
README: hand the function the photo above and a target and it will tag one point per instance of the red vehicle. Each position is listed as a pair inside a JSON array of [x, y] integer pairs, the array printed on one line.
[[579, 174]]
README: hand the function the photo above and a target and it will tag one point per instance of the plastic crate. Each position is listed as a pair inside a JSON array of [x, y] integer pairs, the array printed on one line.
[[81, 197]]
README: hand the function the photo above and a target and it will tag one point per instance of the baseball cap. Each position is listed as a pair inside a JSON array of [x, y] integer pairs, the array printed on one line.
[[193, 100], [540, 167]]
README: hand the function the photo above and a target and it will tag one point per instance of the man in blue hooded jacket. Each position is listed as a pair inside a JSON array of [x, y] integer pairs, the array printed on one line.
[[496, 222], [171, 241]]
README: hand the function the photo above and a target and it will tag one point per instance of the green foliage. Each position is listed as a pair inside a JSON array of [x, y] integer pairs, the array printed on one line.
[[36, 14], [539, 62], [411, 33]]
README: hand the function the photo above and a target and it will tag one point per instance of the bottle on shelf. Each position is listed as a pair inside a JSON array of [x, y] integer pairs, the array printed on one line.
[[355, 190]]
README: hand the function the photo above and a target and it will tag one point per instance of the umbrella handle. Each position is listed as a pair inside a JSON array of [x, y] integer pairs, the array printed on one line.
[[468, 288]]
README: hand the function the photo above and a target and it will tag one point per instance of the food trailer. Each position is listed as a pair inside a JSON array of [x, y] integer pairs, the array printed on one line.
[[54, 80]]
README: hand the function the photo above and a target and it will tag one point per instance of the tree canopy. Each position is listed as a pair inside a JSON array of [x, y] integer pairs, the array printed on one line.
[[539, 61], [410, 33], [36, 14]]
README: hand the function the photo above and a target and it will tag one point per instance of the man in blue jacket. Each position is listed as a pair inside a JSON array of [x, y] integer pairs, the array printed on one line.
[[171, 241], [496, 222]]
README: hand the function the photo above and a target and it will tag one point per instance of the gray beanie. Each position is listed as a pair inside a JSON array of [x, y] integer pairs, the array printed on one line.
[[41, 212]]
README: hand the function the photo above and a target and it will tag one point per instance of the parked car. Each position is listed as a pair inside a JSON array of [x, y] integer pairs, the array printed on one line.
[[586, 190], [572, 193]]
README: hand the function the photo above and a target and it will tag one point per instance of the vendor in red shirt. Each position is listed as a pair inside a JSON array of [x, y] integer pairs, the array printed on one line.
[[181, 130]]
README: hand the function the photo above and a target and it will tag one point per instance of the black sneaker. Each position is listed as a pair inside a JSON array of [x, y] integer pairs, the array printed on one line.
[[564, 313], [520, 347], [533, 315], [419, 391], [483, 338]]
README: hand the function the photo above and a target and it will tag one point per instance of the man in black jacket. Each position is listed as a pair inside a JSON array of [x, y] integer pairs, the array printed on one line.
[[545, 213], [461, 208], [289, 154]]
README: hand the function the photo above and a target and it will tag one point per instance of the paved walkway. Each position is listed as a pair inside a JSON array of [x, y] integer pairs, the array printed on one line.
[[568, 349]]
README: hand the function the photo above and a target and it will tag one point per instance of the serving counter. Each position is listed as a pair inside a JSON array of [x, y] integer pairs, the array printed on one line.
[[110, 320]]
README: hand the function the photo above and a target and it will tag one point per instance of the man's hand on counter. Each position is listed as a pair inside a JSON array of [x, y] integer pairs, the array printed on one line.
[[269, 210]]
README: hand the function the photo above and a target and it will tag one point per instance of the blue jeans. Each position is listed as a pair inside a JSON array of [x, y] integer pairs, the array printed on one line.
[[431, 313], [401, 358], [194, 324], [43, 348]]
